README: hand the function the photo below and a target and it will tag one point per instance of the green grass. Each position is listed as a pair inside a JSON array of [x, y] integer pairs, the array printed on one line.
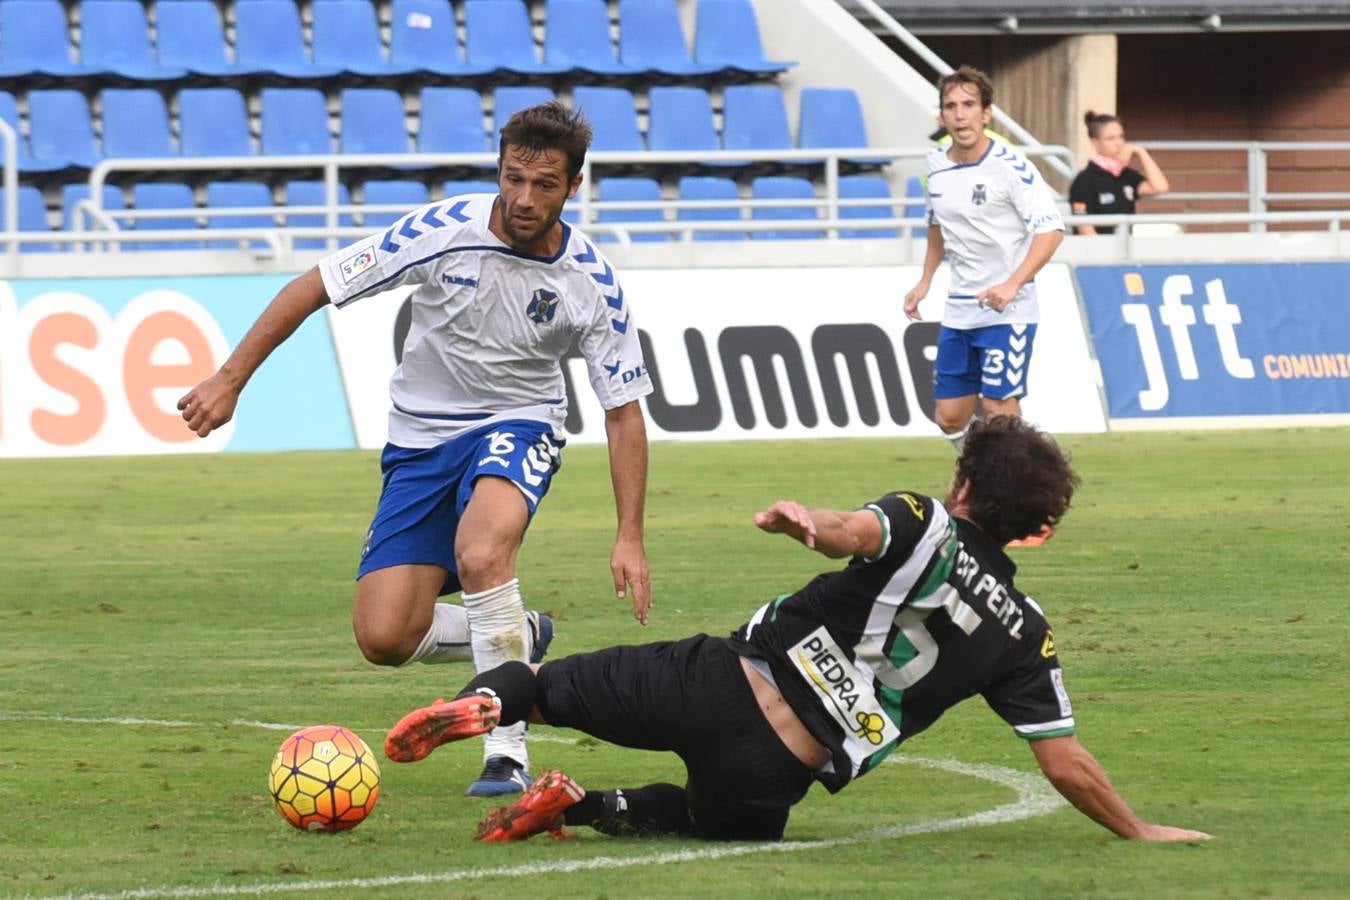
[[1197, 592]]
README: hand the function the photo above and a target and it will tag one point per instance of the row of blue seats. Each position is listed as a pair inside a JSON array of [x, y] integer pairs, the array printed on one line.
[[400, 195], [269, 40], [294, 121]]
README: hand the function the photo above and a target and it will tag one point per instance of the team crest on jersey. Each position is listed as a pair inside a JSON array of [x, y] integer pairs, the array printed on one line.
[[846, 695], [979, 195], [542, 306]]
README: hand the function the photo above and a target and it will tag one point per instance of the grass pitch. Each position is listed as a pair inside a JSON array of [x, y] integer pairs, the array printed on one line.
[[1197, 591]]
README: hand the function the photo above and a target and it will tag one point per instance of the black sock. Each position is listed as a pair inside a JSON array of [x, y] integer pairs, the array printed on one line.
[[627, 812], [512, 683]]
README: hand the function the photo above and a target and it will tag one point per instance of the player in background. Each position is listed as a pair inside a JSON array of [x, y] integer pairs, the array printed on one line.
[[991, 215], [502, 288], [822, 684]]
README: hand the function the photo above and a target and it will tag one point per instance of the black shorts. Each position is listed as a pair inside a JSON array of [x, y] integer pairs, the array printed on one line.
[[690, 697]]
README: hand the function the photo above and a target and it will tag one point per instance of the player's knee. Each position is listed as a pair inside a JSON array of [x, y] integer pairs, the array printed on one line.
[[951, 422], [481, 565], [383, 645]]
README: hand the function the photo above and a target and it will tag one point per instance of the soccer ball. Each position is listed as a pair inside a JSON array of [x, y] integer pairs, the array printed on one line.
[[324, 778]]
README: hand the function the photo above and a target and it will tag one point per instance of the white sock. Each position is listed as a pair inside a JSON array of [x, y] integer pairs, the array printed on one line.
[[958, 439], [447, 640], [499, 633]]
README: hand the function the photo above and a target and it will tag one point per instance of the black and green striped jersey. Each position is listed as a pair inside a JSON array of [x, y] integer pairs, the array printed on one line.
[[873, 654]]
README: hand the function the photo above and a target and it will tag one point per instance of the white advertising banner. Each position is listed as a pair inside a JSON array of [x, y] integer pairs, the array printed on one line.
[[740, 354]]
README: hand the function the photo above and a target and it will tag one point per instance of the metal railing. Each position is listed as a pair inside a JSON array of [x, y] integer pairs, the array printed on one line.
[[11, 182], [1005, 122]]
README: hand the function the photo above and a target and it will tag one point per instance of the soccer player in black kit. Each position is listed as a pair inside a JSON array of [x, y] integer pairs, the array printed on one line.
[[822, 684]]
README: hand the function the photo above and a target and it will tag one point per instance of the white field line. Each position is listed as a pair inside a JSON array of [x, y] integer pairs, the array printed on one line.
[[1034, 798]]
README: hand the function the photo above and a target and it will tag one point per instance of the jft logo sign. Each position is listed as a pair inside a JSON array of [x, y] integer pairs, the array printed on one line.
[[1183, 317]]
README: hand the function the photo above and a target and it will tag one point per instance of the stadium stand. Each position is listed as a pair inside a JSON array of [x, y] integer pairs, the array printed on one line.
[[726, 39], [347, 38], [754, 117], [115, 38], [578, 38], [238, 194], [372, 120], [499, 38], [294, 120], [405, 195], [507, 101], [156, 195], [135, 123], [612, 113], [9, 112], [651, 40], [61, 129], [865, 187], [833, 117], [632, 189], [32, 215], [36, 45], [213, 121], [680, 118], [312, 193], [269, 38], [422, 38], [190, 35], [711, 188], [784, 187]]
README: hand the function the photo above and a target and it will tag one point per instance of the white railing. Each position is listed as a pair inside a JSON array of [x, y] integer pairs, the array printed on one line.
[[11, 183], [1005, 122]]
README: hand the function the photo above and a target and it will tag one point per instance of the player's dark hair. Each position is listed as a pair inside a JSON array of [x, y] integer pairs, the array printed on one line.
[[1096, 121], [967, 75], [1020, 480], [549, 126]]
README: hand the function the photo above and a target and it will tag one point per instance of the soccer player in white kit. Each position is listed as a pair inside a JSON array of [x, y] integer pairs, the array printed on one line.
[[991, 215], [503, 288]]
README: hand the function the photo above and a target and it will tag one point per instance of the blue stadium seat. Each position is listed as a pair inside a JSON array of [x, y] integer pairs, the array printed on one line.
[[783, 187], [135, 124], [499, 37], [190, 36], [651, 39], [680, 118], [60, 128], [213, 122], [613, 116], [726, 38], [312, 193], [833, 117], [455, 188], [914, 191], [754, 117], [238, 194], [9, 112], [294, 120], [452, 122], [702, 187], [159, 195], [631, 189], [32, 216], [268, 38], [115, 37], [865, 187], [36, 41], [347, 37], [422, 37], [372, 119], [508, 101], [578, 39], [407, 195], [72, 194]]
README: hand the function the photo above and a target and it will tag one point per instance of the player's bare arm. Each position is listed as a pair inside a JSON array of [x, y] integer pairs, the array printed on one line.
[[1043, 246], [1077, 775], [626, 431], [211, 404], [830, 532], [932, 258], [1155, 182]]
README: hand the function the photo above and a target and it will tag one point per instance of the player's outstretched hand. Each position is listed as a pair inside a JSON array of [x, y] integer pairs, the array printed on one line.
[[791, 518], [210, 404], [628, 565], [1170, 834]]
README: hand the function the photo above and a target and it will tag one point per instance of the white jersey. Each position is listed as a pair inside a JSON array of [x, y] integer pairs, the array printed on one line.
[[490, 325], [988, 211]]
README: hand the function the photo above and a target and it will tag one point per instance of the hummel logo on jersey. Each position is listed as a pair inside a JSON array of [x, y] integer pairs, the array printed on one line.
[[979, 195], [465, 280], [542, 306]]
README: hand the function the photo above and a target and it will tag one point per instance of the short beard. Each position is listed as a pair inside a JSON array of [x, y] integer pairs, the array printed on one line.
[[514, 237]]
